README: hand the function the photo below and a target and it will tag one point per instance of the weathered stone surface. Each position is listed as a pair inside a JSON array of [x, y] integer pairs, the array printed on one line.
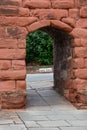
[[80, 42], [2, 32], [78, 63], [16, 32], [83, 12], [8, 43], [66, 22], [80, 84], [84, 42], [9, 11], [24, 12], [38, 25], [12, 43], [74, 13], [17, 21], [80, 52], [81, 23], [69, 21], [11, 2], [37, 4], [12, 54], [85, 63], [49, 14], [5, 64], [81, 73], [80, 3], [63, 4], [77, 42], [7, 85], [18, 64], [12, 100], [21, 85], [13, 32], [12, 74], [61, 25], [22, 44], [79, 33]]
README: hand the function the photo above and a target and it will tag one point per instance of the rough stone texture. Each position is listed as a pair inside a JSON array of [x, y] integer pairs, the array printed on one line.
[[64, 20], [83, 12], [49, 14], [81, 23], [74, 13], [5, 64], [80, 3], [37, 4], [13, 99], [63, 4]]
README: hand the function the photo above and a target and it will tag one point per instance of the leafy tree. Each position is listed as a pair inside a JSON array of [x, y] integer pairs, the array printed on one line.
[[39, 48]]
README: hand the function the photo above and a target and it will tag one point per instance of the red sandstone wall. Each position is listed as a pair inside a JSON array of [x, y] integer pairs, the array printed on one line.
[[20, 17]]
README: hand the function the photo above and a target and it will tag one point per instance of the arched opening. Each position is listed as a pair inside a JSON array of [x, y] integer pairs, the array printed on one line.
[[62, 56]]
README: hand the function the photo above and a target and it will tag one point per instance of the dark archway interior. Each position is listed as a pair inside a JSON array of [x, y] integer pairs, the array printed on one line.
[[62, 58]]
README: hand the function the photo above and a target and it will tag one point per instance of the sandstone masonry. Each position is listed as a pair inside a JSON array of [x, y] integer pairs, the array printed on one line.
[[21, 17]]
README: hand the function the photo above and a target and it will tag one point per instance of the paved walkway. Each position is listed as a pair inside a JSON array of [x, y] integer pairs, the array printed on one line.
[[45, 110]]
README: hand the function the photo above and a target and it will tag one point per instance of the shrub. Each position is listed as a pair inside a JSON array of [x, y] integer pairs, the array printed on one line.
[[39, 48]]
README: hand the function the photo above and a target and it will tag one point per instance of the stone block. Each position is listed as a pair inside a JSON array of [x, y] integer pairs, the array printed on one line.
[[80, 3], [63, 4], [80, 42], [81, 73], [12, 100], [22, 44], [7, 85], [80, 52], [85, 63], [18, 64], [17, 21], [12, 54], [79, 33], [8, 43], [12, 74], [84, 42], [69, 21], [83, 12], [81, 23], [60, 25], [24, 12], [74, 13], [2, 32], [11, 2], [37, 25], [21, 85], [77, 42], [80, 84], [5, 64], [78, 63], [37, 4], [49, 14], [9, 11], [16, 32]]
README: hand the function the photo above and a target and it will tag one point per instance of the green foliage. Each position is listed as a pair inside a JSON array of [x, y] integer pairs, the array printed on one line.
[[39, 48]]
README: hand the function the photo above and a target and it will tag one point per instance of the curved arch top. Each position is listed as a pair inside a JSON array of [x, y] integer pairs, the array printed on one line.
[[45, 23]]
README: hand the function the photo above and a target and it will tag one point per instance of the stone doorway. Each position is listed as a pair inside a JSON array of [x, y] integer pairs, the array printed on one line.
[[62, 57], [21, 17]]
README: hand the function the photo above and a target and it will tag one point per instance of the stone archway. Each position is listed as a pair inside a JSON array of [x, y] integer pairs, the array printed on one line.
[[20, 17]]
